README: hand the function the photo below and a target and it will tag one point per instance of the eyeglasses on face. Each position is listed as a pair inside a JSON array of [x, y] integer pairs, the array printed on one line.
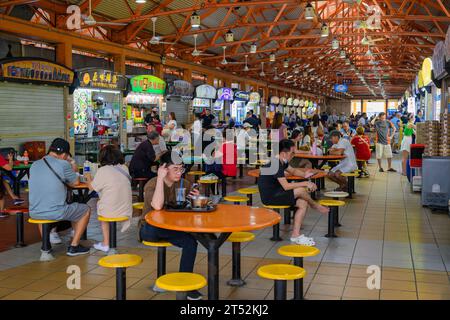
[[178, 169]]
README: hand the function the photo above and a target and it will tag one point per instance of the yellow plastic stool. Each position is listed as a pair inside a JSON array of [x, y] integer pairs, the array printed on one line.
[[249, 192], [207, 183], [332, 215], [350, 182], [161, 258], [236, 199], [46, 246], [281, 273], [138, 205], [120, 262], [287, 218], [181, 283], [112, 231], [196, 174], [237, 238], [298, 252]]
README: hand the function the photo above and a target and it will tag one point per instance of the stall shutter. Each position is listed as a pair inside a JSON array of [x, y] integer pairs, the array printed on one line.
[[181, 110], [30, 112]]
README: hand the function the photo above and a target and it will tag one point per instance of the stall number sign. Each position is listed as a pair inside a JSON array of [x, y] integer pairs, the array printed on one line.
[[100, 79], [148, 84], [36, 71]]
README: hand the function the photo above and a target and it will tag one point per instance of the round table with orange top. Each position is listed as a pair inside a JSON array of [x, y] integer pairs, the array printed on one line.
[[204, 226], [315, 159]]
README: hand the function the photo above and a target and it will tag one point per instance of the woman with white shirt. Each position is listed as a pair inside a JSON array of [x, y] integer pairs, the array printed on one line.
[[170, 127], [112, 182]]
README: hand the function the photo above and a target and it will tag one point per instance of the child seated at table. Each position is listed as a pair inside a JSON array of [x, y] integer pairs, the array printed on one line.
[[361, 143], [113, 184]]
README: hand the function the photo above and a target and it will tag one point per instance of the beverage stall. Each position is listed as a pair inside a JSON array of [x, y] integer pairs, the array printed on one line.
[[222, 104], [98, 100], [146, 95]]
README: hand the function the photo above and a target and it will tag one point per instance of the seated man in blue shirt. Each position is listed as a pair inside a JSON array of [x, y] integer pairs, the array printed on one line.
[[347, 132], [49, 179]]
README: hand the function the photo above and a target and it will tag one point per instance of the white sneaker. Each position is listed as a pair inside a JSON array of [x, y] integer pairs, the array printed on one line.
[[54, 238], [304, 241], [99, 246]]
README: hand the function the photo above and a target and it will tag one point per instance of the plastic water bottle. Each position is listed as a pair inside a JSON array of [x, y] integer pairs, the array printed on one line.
[[86, 167], [314, 148]]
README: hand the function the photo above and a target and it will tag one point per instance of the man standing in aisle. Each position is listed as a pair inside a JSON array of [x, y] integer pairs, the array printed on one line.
[[385, 131]]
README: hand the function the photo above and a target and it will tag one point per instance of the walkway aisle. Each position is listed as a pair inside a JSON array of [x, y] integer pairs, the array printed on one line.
[[384, 225]]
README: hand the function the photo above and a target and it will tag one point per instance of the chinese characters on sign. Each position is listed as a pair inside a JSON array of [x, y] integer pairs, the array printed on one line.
[[101, 79]]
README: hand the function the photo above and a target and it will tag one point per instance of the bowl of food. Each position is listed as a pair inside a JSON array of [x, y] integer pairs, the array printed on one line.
[[199, 201]]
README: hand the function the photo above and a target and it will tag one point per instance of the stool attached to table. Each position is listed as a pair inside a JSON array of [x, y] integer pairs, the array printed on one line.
[[333, 205], [46, 247], [276, 228], [161, 260], [181, 283], [281, 273], [19, 212], [120, 262], [236, 238], [298, 252], [249, 192], [350, 182], [112, 231]]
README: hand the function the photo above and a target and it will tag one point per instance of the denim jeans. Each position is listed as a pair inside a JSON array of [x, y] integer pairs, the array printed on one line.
[[180, 239]]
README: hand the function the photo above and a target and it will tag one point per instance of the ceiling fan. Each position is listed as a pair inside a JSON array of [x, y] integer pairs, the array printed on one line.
[[225, 62], [196, 52], [90, 20], [367, 40], [155, 40]]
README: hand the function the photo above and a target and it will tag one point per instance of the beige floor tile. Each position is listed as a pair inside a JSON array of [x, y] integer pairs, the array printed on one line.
[[321, 297], [361, 293], [139, 294], [397, 295], [52, 296], [89, 298], [164, 296], [398, 285], [407, 275], [101, 292], [356, 282], [323, 289], [73, 292], [23, 295], [5, 291], [358, 272], [248, 294], [15, 282], [333, 270], [435, 288], [433, 296], [44, 286], [329, 279], [432, 278]]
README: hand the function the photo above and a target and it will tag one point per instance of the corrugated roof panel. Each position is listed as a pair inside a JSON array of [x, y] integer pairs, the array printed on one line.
[[116, 9]]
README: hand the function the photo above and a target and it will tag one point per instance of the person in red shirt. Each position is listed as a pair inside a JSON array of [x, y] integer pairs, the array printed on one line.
[[158, 124], [361, 143], [4, 186]]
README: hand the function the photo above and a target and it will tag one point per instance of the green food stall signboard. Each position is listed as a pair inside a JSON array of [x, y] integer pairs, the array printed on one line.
[[148, 84]]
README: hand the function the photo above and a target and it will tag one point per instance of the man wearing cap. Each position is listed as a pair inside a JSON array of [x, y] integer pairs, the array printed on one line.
[[49, 179], [253, 121]]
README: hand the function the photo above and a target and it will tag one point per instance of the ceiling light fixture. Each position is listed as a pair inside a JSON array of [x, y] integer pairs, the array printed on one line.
[[195, 20], [253, 48], [309, 12], [335, 44], [342, 54], [324, 31], [286, 63], [272, 57], [229, 36]]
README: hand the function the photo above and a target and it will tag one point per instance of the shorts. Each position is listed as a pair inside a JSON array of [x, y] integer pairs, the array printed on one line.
[[406, 143], [70, 212], [279, 198], [383, 151], [344, 168]]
